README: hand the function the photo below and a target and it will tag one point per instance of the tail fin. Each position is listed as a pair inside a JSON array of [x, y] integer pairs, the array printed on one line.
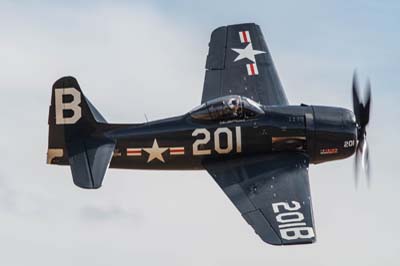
[[73, 135]]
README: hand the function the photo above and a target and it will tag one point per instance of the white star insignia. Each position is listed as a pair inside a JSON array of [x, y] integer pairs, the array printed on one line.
[[155, 152], [247, 52]]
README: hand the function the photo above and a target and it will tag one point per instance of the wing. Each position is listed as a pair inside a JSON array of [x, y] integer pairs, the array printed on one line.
[[240, 63], [272, 193]]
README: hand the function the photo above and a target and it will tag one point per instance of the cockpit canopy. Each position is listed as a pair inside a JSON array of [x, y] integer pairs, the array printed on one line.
[[230, 107]]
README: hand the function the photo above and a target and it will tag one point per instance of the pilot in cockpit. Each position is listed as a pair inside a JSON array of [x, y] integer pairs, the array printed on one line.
[[235, 106], [227, 108]]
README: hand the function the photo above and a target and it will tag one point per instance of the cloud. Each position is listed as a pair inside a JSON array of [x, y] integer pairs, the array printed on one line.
[[111, 213], [19, 201], [132, 48], [8, 196]]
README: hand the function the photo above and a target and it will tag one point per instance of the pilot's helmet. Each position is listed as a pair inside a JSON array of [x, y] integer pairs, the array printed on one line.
[[234, 104]]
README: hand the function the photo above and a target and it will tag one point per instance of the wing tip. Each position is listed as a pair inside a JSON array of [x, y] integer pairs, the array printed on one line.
[[240, 25]]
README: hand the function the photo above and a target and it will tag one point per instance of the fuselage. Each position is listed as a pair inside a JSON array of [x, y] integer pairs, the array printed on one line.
[[184, 142]]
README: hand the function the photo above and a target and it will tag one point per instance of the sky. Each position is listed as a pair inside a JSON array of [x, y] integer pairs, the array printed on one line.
[[137, 58]]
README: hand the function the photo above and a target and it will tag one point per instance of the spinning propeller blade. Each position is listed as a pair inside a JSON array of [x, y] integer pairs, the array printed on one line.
[[361, 109]]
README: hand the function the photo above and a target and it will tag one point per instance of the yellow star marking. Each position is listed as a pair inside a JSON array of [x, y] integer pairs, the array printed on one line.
[[155, 152]]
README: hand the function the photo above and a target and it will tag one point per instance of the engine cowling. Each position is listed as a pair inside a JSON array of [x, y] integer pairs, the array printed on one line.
[[331, 133]]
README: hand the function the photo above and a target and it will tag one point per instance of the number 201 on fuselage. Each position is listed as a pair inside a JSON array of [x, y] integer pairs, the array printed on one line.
[[233, 143]]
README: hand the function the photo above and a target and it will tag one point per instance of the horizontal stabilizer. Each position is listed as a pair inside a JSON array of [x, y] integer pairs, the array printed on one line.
[[89, 159]]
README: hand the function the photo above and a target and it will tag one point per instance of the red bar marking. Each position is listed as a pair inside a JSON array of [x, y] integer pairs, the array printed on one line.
[[177, 150], [252, 69], [129, 152], [244, 36]]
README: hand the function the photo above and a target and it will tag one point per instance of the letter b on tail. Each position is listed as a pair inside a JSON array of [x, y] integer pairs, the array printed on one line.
[[62, 107]]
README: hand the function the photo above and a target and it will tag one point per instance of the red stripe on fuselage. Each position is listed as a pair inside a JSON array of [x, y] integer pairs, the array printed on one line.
[[134, 152]]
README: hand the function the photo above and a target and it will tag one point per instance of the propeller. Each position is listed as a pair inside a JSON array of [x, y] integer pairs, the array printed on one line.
[[361, 109]]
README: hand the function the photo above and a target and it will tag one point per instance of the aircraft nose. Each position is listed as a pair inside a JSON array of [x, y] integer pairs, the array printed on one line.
[[350, 129], [348, 117]]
